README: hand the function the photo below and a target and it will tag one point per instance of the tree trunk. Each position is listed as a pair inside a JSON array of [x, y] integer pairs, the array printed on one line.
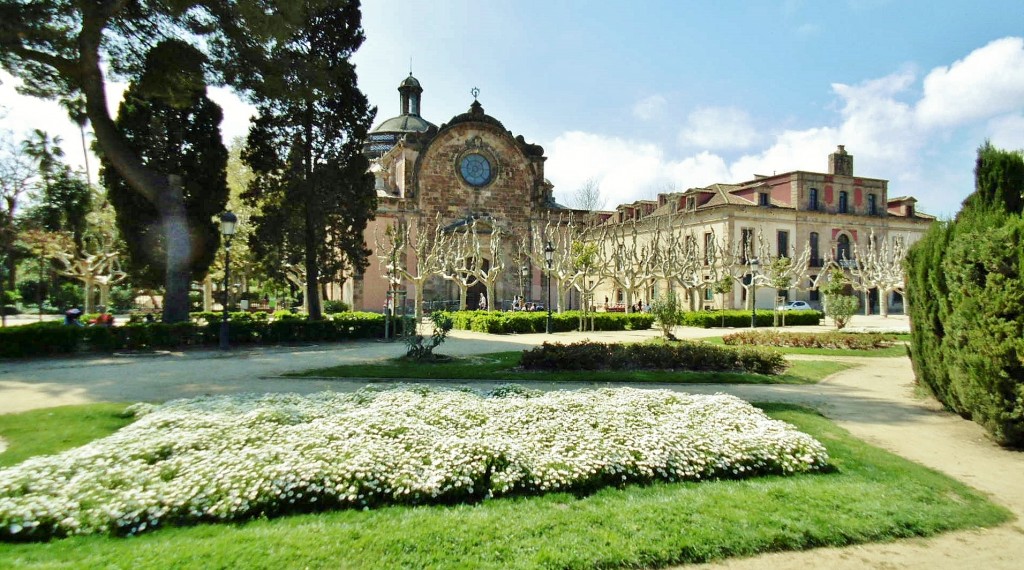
[[174, 222], [418, 285], [208, 294]]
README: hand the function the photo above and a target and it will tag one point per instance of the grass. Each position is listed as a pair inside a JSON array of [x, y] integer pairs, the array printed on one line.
[[872, 495], [503, 366], [888, 352], [66, 427]]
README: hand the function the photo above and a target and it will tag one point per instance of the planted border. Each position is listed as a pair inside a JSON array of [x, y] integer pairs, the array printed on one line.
[[681, 355], [829, 340]]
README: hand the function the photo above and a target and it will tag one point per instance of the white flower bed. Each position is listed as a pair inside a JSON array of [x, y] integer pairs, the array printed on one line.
[[233, 457]]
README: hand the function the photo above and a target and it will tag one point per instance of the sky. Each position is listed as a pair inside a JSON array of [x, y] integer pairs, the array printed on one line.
[[655, 96]]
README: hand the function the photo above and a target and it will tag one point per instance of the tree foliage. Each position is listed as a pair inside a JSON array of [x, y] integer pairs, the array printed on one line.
[[311, 179], [63, 49], [966, 287], [169, 122]]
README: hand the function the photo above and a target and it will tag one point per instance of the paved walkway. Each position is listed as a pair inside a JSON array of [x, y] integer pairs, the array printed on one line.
[[875, 401]]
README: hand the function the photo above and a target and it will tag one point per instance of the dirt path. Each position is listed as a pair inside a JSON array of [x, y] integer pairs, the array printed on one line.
[[879, 407], [874, 401]]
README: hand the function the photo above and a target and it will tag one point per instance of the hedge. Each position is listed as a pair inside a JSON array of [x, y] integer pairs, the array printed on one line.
[[737, 319], [49, 338], [965, 286], [829, 340], [681, 355], [498, 322]]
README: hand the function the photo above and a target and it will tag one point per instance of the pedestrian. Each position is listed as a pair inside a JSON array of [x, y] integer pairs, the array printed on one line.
[[71, 318]]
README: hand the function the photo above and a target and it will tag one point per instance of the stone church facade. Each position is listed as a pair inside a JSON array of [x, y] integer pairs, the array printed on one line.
[[470, 168]]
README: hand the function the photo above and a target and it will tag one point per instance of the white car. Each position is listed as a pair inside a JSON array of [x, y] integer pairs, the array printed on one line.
[[795, 306]]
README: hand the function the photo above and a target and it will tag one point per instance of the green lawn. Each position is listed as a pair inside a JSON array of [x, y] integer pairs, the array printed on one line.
[[502, 366], [893, 351], [870, 496], [65, 427]]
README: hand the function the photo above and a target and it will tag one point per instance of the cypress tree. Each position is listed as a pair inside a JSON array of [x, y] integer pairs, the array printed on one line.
[[174, 127]]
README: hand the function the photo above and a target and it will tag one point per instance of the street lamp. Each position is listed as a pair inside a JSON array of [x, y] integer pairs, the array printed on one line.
[[228, 221], [524, 278], [549, 255], [754, 266]]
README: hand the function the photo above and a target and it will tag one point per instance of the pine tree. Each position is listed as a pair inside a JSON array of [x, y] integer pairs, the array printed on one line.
[[312, 180]]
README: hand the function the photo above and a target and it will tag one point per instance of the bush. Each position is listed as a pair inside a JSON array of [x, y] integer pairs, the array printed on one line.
[[682, 355], [739, 319], [68, 295], [516, 322], [10, 310], [121, 299], [666, 311], [246, 328], [832, 340], [332, 306]]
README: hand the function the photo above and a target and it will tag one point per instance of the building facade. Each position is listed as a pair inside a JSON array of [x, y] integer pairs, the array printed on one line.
[[472, 172], [822, 219]]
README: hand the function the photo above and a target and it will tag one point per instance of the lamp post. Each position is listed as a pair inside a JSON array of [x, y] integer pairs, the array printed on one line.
[[754, 266], [524, 278], [228, 221], [549, 255]]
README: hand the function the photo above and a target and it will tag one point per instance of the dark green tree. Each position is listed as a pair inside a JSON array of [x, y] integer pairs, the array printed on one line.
[[175, 130], [966, 288], [999, 180], [62, 49], [63, 198], [311, 183]]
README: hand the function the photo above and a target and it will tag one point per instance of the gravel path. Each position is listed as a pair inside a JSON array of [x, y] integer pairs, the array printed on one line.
[[875, 401]]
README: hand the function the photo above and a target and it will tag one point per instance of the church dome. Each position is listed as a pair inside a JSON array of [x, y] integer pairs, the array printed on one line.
[[387, 134]]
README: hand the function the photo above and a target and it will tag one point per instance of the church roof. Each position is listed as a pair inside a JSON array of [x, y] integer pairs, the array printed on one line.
[[404, 124]]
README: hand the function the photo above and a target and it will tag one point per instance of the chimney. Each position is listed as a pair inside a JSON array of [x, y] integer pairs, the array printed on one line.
[[840, 162]]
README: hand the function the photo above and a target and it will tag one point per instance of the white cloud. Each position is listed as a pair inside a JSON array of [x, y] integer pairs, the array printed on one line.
[[649, 108], [989, 81], [718, 128], [1007, 131], [626, 170]]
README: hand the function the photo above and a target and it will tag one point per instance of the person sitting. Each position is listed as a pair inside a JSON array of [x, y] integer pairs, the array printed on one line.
[[71, 318]]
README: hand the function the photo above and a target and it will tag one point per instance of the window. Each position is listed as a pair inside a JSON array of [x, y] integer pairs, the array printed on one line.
[[844, 199], [814, 294], [747, 241], [812, 200], [709, 294], [815, 258], [762, 199], [843, 249], [783, 239], [910, 210], [691, 204], [709, 247], [872, 205]]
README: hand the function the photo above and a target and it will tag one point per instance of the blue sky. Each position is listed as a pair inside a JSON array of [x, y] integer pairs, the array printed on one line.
[[648, 96]]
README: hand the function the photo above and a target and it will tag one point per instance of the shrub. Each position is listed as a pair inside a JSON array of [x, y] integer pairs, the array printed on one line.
[[682, 355], [833, 340], [665, 309], [246, 328], [332, 306], [497, 322], [739, 319], [10, 310]]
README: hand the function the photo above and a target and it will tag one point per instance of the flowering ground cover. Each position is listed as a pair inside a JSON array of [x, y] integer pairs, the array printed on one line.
[[236, 457], [871, 495]]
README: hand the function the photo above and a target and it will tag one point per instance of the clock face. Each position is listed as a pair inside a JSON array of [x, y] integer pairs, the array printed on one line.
[[475, 169]]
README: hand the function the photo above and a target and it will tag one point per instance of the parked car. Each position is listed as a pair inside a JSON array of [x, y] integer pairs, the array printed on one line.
[[795, 306]]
